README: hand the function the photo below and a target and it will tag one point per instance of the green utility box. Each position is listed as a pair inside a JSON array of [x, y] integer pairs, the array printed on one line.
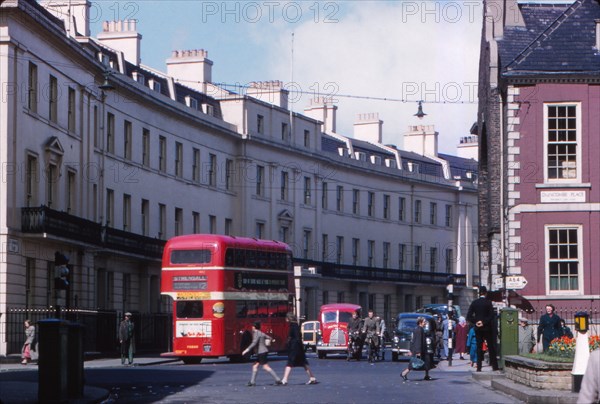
[[509, 333]]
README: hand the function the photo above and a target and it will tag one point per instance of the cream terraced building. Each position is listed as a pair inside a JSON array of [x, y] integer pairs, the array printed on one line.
[[106, 174]]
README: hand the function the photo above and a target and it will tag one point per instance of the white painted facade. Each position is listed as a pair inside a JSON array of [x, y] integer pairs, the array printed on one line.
[[83, 164]]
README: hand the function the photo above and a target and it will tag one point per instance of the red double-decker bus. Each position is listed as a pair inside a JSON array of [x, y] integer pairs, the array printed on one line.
[[220, 285]]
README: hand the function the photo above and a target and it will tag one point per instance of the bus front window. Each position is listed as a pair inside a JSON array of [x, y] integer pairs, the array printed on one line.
[[189, 309]]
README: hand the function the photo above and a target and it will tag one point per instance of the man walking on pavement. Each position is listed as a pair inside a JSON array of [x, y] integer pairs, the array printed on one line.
[[481, 314]]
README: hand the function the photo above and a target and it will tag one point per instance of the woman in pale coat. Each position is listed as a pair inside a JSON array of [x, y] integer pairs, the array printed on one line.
[[526, 337], [28, 344], [259, 343]]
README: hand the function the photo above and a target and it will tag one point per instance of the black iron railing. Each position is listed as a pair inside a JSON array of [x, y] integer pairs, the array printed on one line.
[[340, 271], [153, 330], [61, 224]]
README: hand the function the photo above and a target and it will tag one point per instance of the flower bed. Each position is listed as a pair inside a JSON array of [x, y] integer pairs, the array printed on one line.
[[534, 371], [564, 347]]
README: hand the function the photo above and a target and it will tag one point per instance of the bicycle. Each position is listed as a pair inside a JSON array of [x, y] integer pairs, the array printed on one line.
[[355, 344], [372, 347]]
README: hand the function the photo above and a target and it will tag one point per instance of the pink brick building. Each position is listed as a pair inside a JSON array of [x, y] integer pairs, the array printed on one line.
[[539, 128]]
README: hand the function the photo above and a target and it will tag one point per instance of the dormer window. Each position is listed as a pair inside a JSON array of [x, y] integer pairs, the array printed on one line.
[[361, 156], [191, 102], [137, 76], [104, 59], [208, 109], [376, 160], [413, 167], [154, 85], [391, 163]]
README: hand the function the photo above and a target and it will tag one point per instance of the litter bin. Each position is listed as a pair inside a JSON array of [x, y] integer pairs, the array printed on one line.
[[52, 361], [509, 333], [60, 363]]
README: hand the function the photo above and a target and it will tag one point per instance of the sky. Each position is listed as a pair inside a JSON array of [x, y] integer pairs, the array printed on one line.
[[379, 56]]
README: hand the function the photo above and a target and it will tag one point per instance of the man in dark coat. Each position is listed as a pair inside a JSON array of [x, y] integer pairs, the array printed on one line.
[[126, 330], [481, 314]]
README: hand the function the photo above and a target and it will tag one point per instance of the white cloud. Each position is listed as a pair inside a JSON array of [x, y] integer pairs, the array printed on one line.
[[389, 50]]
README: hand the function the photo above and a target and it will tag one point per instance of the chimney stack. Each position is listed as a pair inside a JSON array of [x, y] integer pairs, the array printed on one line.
[[421, 139], [269, 91], [192, 67], [322, 109], [368, 127], [122, 36], [74, 13]]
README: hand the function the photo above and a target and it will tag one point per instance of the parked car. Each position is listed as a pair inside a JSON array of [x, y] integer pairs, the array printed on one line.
[[441, 309], [311, 334], [404, 326]]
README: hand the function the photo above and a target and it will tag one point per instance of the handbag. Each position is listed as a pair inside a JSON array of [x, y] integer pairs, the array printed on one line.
[[416, 363]]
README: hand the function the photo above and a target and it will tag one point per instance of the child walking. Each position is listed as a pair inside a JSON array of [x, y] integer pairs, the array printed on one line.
[[258, 343]]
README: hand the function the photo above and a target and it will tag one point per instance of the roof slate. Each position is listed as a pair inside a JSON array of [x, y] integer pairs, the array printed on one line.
[[555, 39]]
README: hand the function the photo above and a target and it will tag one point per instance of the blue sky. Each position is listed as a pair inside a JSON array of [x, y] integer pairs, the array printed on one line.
[[397, 50]]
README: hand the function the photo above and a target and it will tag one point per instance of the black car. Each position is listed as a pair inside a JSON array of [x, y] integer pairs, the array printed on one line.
[[404, 326], [440, 309]]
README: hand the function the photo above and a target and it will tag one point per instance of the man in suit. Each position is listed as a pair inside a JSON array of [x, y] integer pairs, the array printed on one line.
[[481, 314]]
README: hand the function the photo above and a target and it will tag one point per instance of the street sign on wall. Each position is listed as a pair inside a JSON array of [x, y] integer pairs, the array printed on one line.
[[512, 282], [515, 282]]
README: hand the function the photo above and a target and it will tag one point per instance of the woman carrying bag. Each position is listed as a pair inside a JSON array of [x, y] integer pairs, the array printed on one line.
[[418, 350]]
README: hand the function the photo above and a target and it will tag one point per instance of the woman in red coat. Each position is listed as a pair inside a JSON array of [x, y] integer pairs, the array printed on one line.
[[461, 337]]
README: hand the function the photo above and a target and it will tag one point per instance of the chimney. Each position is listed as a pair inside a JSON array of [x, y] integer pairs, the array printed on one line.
[[122, 36], [269, 91], [322, 109], [421, 139], [74, 13], [192, 67], [368, 127]]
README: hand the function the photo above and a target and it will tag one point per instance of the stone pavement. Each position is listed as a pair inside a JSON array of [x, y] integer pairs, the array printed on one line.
[[12, 392], [497, 381], [26, 392]]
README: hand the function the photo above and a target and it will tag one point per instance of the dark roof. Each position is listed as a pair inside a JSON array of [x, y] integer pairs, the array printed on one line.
[[368, 147], [460, 166], [330, 144], [555, 39], [181, 91], [425, 164]]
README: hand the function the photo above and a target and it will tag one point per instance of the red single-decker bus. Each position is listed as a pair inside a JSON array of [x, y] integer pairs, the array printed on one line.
[[221, 285]]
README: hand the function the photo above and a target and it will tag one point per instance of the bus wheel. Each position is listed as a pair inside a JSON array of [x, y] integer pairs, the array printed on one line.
[[191, 360], [322, 355]]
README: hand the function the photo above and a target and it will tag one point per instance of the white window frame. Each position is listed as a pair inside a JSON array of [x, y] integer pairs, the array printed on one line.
[[580, 251], [578, 112]]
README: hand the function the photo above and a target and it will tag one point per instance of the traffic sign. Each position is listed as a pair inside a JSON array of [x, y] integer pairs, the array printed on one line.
[[515, 282]]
